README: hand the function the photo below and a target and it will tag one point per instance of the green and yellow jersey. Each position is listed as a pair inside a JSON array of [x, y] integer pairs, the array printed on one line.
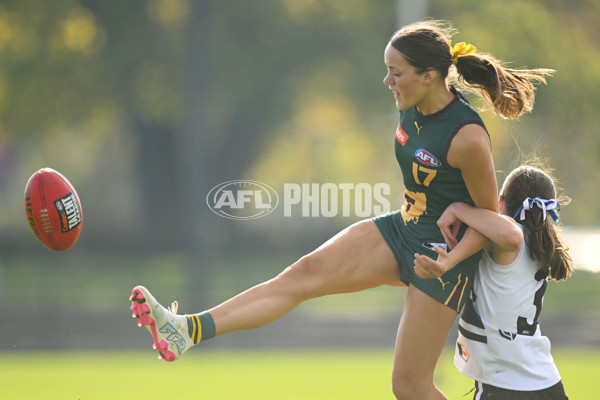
[[422, 143]]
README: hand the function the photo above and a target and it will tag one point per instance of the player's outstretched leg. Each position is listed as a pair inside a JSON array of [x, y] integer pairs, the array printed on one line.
[[170, 332], [356, 259]]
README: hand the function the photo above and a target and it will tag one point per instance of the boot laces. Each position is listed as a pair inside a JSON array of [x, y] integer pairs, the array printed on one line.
[[174, 307]]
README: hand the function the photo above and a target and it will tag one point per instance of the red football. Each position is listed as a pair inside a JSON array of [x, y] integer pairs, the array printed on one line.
[[53, 209]]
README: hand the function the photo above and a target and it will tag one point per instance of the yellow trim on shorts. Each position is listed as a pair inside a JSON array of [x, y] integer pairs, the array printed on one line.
[[462, 293]]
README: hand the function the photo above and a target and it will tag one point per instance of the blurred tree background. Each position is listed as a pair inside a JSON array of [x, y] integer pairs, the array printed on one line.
[[147, 104]]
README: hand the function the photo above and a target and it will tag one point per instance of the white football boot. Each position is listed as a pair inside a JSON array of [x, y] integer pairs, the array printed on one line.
[[169, 330]]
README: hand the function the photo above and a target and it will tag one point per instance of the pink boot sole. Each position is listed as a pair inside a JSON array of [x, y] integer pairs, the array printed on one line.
[[142, 312]]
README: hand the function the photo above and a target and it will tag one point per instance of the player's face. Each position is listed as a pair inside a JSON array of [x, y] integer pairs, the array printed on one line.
[[402, 79]]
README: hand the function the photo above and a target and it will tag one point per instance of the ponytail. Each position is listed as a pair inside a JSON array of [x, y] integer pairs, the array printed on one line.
[[524, 192], [508, 92], [546, 245]]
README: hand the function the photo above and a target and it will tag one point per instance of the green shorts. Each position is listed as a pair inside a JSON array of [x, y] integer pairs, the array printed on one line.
[[452, 288]]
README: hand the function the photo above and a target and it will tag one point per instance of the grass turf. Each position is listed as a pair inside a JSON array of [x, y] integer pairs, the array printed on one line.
[[264, 375]]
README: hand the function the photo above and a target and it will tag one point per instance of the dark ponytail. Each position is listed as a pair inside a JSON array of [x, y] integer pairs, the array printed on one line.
[[508, 92], [541, 235]]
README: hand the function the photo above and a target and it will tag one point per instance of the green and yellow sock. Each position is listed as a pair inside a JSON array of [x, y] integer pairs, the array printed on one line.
[[201, 326]]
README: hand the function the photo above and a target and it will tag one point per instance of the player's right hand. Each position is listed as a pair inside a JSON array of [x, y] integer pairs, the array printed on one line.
[[449, 225]]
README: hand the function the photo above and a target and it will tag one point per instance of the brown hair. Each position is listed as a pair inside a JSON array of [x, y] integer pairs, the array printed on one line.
[[509, 92], [542, 236]]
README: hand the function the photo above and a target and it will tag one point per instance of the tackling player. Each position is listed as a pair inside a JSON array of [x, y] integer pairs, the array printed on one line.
[[500, 344]]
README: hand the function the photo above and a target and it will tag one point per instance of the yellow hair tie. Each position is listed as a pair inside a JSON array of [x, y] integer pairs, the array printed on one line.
[[461, 49]]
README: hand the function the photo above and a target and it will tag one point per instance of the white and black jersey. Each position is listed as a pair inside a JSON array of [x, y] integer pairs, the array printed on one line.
[[499, 341]]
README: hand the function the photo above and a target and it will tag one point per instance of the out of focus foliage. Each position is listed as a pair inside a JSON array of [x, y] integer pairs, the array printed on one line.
[[138, 101]]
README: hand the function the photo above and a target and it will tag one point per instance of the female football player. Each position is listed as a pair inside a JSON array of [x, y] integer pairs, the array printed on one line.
[[500, 344], [444, 152]]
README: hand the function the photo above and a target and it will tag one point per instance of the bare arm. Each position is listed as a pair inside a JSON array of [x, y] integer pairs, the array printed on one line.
[[470, 151], [502, 230]]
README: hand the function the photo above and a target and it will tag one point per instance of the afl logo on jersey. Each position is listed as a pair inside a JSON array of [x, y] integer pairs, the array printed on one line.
[[426, 158]]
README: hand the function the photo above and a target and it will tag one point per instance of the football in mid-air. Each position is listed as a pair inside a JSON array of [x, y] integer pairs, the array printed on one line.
[[53, 209]]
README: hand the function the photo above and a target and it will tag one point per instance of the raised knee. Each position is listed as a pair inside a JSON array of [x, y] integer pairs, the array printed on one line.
[[298, 271], [301, 277]]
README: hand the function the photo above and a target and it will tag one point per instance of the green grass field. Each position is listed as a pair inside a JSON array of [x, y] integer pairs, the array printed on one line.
[[265, 375], [105, 282]]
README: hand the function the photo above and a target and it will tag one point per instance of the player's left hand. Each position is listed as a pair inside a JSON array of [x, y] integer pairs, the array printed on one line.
[[426, 267]]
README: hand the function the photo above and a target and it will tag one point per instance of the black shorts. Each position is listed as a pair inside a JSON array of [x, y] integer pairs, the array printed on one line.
[[489, 392]]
